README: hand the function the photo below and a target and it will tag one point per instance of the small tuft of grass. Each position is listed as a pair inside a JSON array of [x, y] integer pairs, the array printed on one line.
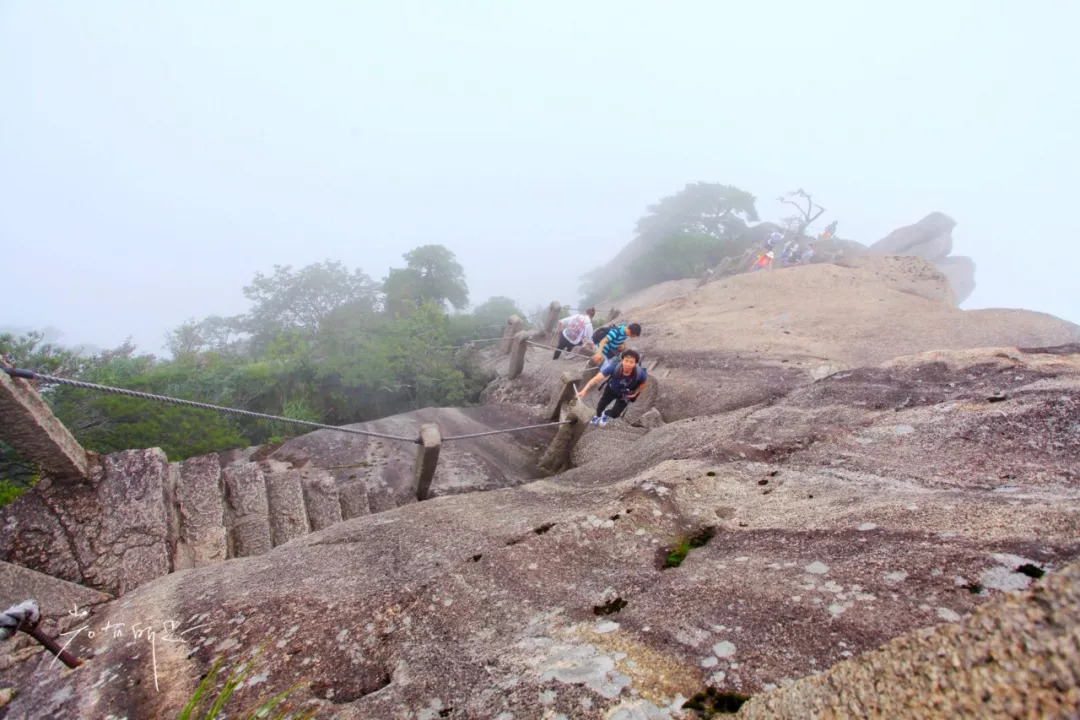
[[476, 557], [687, 543], [1032, 571], [676, 555], [233, 683], [711, 473], [714, 702], [543, 528], [973, 587]]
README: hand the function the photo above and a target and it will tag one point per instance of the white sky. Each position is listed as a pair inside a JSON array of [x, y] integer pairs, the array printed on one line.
[[154, 156]]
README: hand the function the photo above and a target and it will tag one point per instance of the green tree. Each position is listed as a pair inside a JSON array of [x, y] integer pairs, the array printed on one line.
[[698, 209], [431, 274], [680, 256], [486, 320], [212, 334], [701, 210], [301, 299]]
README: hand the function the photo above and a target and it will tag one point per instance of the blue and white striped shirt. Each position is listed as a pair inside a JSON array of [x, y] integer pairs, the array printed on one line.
[[616, 338]]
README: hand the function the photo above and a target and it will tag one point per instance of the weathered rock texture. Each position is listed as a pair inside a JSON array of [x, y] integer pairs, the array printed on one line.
[[108, 533], [1018, 656], [139, 517], [752, 338], [834, 455], [931, 239], [879, 499], [34, 431]]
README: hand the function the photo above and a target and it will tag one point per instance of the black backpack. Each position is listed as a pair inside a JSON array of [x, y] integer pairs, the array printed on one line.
[[599, 334]]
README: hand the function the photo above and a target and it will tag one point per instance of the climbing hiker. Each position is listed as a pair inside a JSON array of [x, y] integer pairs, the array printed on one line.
[[625, 381], [791, 247], [613, 343], [575, 330], [830, 230], [807, 255], [763, 260], [774, 239]]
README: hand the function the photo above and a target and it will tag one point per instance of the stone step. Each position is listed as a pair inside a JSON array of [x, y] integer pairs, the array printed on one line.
[[321, 499], [247, 510], [353, 495], [201, 538], [285, 497]]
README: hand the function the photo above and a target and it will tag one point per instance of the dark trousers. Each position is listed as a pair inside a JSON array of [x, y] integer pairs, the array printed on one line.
[[564, 344], [606, 399]]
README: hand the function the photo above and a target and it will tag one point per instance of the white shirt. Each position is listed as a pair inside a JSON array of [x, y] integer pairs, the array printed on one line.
[[577, 328]]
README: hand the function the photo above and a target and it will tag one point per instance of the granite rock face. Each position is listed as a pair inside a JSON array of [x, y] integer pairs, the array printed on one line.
[[825, 525], [931, 239]]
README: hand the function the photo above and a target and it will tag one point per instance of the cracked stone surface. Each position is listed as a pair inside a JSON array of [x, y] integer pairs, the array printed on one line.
[[852, 499], [108, 533]]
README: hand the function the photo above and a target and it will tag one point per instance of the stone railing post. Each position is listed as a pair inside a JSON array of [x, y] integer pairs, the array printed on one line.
[[427, 458], [557, 456], [566, 390], [551, 318], [517, 354], [30, 426], [513, 326]]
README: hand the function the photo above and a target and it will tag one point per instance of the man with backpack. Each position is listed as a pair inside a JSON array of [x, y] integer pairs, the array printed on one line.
[[625, 381], [612, 343], [574, 331]]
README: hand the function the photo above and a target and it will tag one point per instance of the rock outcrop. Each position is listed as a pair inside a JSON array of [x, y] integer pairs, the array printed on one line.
[[824, 524], [931, 239], [1018, 656], [826, 458], [755, 337], [139, 517]]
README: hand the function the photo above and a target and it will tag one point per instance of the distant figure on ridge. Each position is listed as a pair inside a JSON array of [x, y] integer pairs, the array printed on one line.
[[625, 381], [763, 260], [575, 330], [830, 230], [613, 343], [790, 249]]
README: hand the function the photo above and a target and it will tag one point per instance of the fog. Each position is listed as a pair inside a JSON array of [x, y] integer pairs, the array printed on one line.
[[153, 157]]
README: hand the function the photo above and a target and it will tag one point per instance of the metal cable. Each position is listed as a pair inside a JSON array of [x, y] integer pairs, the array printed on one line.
[[31, 375], [566, 354], [508, 430], [467, 342]]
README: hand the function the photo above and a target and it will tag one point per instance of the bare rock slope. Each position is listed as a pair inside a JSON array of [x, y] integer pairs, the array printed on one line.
[[811, 530], [753, 337], [139, 516], [828, 458]]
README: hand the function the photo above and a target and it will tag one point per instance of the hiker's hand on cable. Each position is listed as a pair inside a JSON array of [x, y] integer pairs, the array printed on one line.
[[581, 393], [598, 358]]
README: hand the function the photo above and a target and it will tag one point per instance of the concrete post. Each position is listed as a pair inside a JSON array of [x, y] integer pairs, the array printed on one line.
[[427, 458], [517, 354], [557, 456], [566, 390], [551, 318], [29, 425], [514, 325]]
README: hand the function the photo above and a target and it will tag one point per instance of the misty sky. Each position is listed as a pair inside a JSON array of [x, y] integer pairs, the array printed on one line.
[[154, 156]]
